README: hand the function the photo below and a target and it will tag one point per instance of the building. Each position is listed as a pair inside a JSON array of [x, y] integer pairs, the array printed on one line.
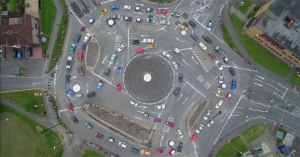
[[276, 26]]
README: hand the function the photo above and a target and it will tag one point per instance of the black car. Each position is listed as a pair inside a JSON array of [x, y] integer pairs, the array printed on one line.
[[193, 24], [207, 39], [135, 42], [128, 18], [74, 119], [176, 91], [67, 79], [232, 71], [91, 94], [180, 77], [179, 147]]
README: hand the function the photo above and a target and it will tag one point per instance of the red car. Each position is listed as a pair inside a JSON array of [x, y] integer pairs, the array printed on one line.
[[99, 136], [80, 56], [139, 50], [80, 70], [228, 96], [159, 150], [70, 107], [172, 152], [82, 28], [157, 119], [193, 137], [119, 88], [162, 11], [169, 124]]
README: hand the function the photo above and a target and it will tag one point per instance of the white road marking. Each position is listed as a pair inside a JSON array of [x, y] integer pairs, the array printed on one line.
[[142, 106], [270, 85], [258, 103], [257, 84], [260, 77], [185, 100], [258, 110], [180, 96], [258, 80], [104, 59], [138, 117]]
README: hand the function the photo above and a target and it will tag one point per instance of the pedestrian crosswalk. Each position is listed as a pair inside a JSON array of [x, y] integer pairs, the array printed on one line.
[[206, 69], [107, 1]]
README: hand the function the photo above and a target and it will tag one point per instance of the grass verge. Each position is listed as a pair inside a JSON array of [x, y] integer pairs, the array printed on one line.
[[27, 100], [91, 153], [48, 13], [227, 38], [245, 7], [232, 148], [21, 135], [253, 133], [257, 52], [295, 80], [57, 50]]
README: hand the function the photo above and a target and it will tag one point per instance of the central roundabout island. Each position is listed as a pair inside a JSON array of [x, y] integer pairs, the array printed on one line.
[[148, 78]]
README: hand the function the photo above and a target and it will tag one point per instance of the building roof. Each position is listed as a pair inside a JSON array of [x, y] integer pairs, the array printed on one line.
[[19, 34]]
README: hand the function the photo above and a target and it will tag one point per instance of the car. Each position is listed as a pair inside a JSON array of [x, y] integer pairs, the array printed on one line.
[[121, 48], [72, 48], [174, 14], [128, 18], [209, 25], [99, 84], [176, 91], [175, 65], [146, 115], [110, 139], [138, 19], [89, 126], [148, 41], [207, 114], [159, 150], [150, 20], [172, 152], [112, 59], [195, 37], [180, 133], [179, 147], [137, 8], [180, 77], [207, 39], [99, 135], [228, 96], [78, 95], [92, 20], [232, 71], [200, 128], [176, 50], [82, 28], [134, 103], [218, 64], [69, 91], [202, 46], [80, 70], [221, 79], [210, 123], [152, 46], [122, 144], [127, 7], [170, 122], [212, 55], [145, 152], [119, 88], [104, 11], [162, 10], [80, 56], [159, 107], [193, 137], [218, 92], [219, 104], [90, 94], [233, 85], [106, 71], [123, 45], [165, 53], [115, 16], [74, 119], [157, 119], [87, 37], [70, 107], [134, 150], [192, 23], [226, 60], [69, 62], [218, 49], [149, 9], [139, 50], [67, 78], [114, 6], [135, 42], [164, 22], [77, 38], [82, 46]]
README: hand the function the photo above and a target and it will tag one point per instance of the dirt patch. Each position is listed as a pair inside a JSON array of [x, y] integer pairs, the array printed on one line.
[[120, 124], [194, 117], [92, 53]]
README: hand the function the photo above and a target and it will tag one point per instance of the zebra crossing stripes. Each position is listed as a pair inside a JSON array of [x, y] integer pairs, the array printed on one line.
[[206, 69], [207, 85], [226, 66], [107, 1]]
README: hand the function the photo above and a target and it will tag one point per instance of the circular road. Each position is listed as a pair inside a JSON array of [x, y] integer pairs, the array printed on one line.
[[148, 78]]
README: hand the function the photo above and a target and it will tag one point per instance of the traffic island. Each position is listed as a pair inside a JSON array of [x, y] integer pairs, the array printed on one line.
[[120, 124], [194, 117]]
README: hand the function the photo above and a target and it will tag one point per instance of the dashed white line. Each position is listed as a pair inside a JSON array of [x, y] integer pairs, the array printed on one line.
[[258, 110]]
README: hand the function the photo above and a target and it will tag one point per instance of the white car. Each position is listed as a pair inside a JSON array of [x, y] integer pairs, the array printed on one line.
[[87, 37], [175, 65], [202, 46], [127, 7], [148, 41], [219, 104], [159, 107], [133, 103], [218, 64], [138, 19], [207, 115], [137, 8], [165, 53], [110, 139], [122, 144], [176, 50], [200, 128], [210, 123], [69, 62], [180, 133], [121, 48], [221, 79], [78, 95], [164, 22], [226, 60]]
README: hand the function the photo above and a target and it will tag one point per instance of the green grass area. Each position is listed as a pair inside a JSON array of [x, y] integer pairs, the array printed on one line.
[[233, 148], [27, 100], [91, 153], [12, 5], [20, 136], [48, 13], [227, 38], [258, 53], [245, 7], [295, 80], [253, 133], [284, 134], [57, 50]]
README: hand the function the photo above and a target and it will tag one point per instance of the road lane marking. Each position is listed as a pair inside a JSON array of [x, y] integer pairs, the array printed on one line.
[[258, 103], [185, 100], [180, 96], [257, 84], [258, 110]]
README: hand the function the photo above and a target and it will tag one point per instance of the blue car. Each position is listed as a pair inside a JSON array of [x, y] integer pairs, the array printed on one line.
[[82, 46], [69, 91], [150, 20], [233, 85], [99, 85], [114, 6]]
